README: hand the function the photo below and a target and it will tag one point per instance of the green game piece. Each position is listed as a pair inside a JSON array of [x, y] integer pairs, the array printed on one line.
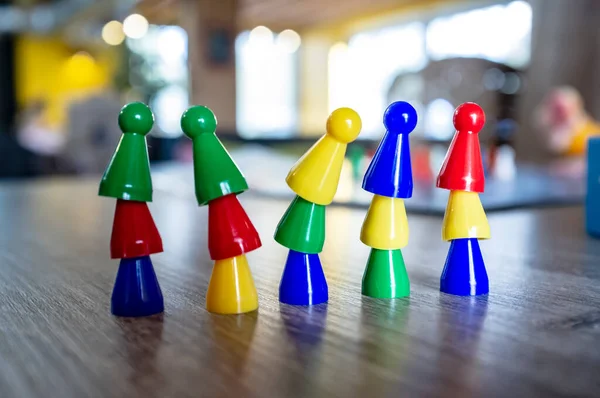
[[385, 275], [356, 155], [215, 172], [127, 176], [302, 227]]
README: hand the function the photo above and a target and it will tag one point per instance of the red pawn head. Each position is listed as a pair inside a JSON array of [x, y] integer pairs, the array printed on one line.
[[462, 169]]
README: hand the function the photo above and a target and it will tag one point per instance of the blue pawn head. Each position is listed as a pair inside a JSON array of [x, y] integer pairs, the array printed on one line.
[[400, 118], [390, 171]]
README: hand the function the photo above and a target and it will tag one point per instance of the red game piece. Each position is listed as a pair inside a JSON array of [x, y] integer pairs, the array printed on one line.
[[134, 233], [462, 169], [230, 231]]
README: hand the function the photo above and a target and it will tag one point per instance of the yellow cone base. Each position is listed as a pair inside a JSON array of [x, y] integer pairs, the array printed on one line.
[[231, 289], [385, 226], [465, 217]]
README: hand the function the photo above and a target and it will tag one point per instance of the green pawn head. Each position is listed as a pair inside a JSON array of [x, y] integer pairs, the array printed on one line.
[[215, 172], [128, 173]]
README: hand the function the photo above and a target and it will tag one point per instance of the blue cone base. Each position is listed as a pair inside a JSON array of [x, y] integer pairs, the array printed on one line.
[[136, 292], [464, 273], [303, 281]]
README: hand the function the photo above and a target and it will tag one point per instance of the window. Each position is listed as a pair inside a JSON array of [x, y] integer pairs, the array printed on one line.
[[161, 71], [266, 81], [361, 72], [500, 33]]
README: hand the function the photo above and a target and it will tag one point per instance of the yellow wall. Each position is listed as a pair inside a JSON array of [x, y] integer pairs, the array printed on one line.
[[47, 69]]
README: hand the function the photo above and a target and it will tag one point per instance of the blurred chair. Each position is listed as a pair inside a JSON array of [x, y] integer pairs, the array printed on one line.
[[439, 88], [447, 83], [93, 133]]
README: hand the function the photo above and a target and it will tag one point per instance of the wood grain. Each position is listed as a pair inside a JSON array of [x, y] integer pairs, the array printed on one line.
[[535, 335]]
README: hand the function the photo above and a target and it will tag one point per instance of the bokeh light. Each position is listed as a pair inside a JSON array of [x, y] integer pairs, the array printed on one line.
[[135, 26], [112, 33], [288, 41], [261, 36]]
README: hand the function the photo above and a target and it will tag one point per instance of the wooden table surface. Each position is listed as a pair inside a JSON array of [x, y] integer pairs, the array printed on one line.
[[536, 334]]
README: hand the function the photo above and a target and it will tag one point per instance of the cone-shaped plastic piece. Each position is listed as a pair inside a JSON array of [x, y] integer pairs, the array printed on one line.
[[230, 231], [464, 273], [385, 275], [128, 173], [134, 233], [462, 169], [302, 227], [136, 291], [385, 226], [465, 217], [215, 172], [390, 171], [231, 289], [316, 175], [303, 281]]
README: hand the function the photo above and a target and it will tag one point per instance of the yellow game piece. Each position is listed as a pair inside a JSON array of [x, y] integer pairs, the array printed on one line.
[[231, 288], [316, 175], [580, 136], [465, 217], [385, 226]]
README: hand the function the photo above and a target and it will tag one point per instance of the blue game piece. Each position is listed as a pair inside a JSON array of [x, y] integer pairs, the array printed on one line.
[[390, 171], [303, 281], [464, 273], [136, 291], [592, 198]]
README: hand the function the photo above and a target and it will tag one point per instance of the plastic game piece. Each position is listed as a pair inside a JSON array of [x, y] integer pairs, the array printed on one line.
[[136, 291], [385, 226], [215, 172], [592, 197], [303, 281], [302, 227], [230, 231], [385, 275], [464, 273], [315, 177], [462, 169], [390, 171], [464, 217], [134, 233], [356, 155], [231, 288], [128, 173]]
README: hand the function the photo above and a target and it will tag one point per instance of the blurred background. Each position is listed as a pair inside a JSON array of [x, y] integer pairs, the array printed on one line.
[[272, 70]]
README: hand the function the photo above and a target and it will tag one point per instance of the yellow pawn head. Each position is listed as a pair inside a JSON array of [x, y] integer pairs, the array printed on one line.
[[464, 217], [344, 125], [231, 288], [385, 226], [316, 175]]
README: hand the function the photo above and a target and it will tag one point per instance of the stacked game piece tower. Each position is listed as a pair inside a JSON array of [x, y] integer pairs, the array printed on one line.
[[464, 221], [134, 235], [385, 229], [314, 179], [231, 234]]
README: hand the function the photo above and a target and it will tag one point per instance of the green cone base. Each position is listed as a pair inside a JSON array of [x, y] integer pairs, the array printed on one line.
[[127, 176], [302, 227], [385, 275]]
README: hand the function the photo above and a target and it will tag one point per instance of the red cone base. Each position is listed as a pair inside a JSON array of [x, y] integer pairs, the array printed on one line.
[[134, 233], [230, 231]]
